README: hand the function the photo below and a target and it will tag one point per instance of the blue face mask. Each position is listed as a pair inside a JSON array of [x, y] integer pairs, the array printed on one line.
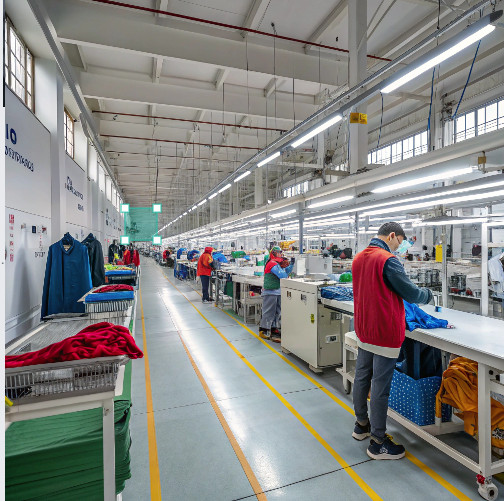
[[405, 245]]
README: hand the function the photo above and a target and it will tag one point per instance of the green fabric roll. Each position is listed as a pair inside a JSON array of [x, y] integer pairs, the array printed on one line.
[[61, 457]]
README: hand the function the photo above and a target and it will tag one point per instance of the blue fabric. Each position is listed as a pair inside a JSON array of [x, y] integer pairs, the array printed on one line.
[[395, 278], [192, 253], [339, 293], [119, 272], [416, 317], [180, 252], [96, 297], [67, 278], [218, 256]]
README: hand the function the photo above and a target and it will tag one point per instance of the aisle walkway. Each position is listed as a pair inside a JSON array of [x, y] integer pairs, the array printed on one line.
[[291, 429]]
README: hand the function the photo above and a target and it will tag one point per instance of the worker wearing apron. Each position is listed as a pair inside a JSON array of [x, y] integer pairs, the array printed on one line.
[[276, 268]]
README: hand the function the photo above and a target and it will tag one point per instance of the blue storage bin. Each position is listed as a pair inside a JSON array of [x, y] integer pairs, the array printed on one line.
[[415, 399]]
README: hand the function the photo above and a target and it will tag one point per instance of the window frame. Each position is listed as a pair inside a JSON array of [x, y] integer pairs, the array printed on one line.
[[28, 67], [68, 119]]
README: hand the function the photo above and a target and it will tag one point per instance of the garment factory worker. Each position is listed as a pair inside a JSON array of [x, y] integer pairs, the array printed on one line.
[[380, 284], [113, 250], [276, 268], [204, 271]]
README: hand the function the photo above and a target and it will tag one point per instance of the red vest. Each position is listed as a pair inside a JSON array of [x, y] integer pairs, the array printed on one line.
[[127, 257], [204, 268], [379, 312]]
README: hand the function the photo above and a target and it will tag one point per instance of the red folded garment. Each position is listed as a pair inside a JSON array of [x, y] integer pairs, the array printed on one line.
[[98, 340], [114, 288]]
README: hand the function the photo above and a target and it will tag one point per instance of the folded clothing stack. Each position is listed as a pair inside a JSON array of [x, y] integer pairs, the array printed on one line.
[[338, 293], [119, 292]]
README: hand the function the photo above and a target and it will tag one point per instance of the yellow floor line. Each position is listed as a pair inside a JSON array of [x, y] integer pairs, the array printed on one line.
[[417, 462], [254, 483], [155, 481], [346, 467]]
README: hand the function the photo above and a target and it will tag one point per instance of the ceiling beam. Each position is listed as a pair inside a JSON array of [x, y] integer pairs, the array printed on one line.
[[255, 14], [220, 78], [329, 22], [118, 89], [378, 16], [99, 26]]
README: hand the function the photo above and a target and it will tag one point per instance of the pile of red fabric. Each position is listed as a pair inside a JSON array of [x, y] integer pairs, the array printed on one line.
[[98, 340], [114, 288]]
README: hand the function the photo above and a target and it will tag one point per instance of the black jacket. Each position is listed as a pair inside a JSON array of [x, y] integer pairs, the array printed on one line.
[[113, 249], [96, 261]]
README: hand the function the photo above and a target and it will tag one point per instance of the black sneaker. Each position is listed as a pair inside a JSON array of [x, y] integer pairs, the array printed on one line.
[[387, 450], [361, 432], [276, 338]]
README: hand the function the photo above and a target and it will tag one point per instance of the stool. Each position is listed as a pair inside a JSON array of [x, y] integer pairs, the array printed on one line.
[[349, 360]]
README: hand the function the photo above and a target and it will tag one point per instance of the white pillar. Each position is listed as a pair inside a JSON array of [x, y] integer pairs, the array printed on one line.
[[49, 108], [258, 189], [357, 44]]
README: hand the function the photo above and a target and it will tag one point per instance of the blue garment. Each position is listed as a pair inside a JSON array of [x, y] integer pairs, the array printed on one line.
[[416, 317], [97, 297], [395, 278], [279, 272], [219, 257], [67, 277], [180, 252], [338, 293], [192, 253]]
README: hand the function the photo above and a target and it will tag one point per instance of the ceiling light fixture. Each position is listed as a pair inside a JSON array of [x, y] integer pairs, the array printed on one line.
[[268, 159], [317, 130], [204, 201], [464, 39], [426, 179], [331, 201], [447, 221], [213, 195], [242, 176], [282, 214], [224, 188]]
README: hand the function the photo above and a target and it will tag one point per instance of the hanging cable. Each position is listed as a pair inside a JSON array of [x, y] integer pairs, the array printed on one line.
[[467, 81], [381, 121], [430, 105]]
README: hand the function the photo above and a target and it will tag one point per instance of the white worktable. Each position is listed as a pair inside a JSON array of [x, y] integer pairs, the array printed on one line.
[[480, 339]]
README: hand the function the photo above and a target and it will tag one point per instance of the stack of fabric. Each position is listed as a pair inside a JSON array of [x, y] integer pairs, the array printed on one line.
[[119, 292], [338, 293]]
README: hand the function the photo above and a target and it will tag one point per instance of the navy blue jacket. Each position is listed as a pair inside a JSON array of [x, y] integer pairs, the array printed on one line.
[[67, 277], [395, 278]]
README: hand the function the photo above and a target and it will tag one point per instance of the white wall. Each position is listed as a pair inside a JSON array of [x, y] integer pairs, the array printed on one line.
[[34, 187]]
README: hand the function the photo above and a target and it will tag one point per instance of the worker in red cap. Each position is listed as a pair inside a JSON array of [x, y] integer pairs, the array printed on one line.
[[277, 267], [204, 271]]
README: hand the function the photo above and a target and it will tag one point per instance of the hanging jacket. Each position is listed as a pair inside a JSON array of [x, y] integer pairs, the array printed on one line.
[[459, 388], [204, 263], [136, 258], [67, 277], [127, 257], [96, 261], [112, 250]]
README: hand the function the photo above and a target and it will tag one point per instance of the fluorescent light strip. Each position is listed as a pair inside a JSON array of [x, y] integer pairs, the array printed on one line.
[[438, 59], [453, 221], [282, 214], [256, 220], [213, 195], [202, 202], [426, 179], [323, 126], [443, 201], [245, 174], [331, 201], [184, 214], [336, 235], [224, 188], [192, 208], [268, 159]]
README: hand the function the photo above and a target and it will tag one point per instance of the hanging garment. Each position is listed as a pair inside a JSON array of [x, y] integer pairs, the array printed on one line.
[[127, 257], [496, 272], [67, 277], [98, 340], [112, 251], [96, 261], [459, 388], [417, 318], [136, 258]]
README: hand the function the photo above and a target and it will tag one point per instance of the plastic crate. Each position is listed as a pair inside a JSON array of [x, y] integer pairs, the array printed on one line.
[[415, 399]]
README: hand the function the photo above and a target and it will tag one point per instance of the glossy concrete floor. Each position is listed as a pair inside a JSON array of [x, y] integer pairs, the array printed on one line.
[[292, 426]]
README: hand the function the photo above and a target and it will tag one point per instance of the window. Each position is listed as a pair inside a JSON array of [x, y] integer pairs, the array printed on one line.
[[69, 133], [108, 184], [18, 62], [101, 178], [297, 189], [476, 122]]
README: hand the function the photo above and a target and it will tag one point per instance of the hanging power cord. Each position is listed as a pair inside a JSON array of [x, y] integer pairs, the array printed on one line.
[[381, 122], [467, 81], [430, 105]]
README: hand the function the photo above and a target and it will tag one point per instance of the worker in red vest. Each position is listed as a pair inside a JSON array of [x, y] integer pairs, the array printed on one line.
[[204, 271], [379, 285]]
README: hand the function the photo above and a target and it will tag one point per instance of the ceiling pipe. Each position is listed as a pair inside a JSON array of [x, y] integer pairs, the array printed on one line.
[[231, 26], [187, 143], [169, 156], [190, 121]]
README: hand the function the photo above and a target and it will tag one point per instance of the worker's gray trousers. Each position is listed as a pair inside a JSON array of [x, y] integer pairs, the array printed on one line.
[[271, 312]]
